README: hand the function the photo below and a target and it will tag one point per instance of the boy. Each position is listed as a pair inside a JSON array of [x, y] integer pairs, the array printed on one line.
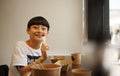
[[32, 50]]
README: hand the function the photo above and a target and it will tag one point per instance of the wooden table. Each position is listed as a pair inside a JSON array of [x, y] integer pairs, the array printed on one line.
[[95, 72]]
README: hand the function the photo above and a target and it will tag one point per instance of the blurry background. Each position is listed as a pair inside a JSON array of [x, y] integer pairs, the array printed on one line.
[[115, 22], [65, 18]]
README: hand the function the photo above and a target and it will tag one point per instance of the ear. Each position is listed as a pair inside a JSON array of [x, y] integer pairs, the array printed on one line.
[[28, 31], [47, 32]]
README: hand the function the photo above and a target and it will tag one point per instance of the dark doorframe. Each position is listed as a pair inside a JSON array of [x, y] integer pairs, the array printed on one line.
[[98, 20]]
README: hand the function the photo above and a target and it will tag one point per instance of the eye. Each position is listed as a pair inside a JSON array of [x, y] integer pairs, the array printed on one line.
[[35, 27], [44, 28]]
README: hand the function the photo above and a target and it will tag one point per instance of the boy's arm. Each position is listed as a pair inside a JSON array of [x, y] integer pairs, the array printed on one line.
[[27, 69]]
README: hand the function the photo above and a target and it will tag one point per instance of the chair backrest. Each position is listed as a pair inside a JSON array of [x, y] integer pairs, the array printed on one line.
[[4, 70]]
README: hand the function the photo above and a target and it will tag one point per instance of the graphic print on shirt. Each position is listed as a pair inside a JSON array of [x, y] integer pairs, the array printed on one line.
[[30, 58]]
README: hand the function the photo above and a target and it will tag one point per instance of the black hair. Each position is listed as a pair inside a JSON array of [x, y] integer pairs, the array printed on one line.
[[39, 20]]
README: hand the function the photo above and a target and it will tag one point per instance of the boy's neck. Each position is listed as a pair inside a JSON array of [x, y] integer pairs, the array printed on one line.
[[33, 44]]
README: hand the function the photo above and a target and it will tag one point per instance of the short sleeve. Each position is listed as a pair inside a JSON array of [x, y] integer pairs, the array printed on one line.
[[19, 57]]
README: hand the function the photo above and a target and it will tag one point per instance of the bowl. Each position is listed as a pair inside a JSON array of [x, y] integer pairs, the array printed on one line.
[[49, 70]]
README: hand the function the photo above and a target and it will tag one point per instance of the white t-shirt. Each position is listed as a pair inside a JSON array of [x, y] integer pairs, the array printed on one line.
[[22, 56]]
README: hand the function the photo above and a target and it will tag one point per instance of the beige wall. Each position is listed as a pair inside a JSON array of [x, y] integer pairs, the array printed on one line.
[[64, 16]]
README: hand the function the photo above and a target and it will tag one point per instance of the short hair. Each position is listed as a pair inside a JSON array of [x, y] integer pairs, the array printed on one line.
[[39, 20]]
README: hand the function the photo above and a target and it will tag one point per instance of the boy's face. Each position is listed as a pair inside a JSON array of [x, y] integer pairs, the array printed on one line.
[[37, 32]]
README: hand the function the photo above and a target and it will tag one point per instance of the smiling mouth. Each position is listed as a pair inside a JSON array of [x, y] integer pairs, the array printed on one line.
[[40, 36]]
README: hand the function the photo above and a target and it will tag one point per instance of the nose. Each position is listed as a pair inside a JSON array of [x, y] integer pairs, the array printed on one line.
[[39, 30]]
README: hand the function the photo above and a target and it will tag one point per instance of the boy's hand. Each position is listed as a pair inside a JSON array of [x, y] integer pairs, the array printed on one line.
[[44, 47]]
